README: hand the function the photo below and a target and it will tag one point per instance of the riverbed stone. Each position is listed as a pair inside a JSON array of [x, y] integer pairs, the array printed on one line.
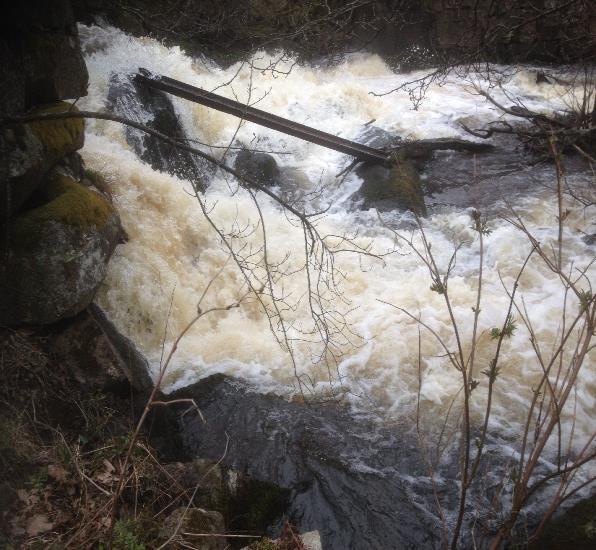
[[136, 101], [261, 168], [57, 253], [391, 187]]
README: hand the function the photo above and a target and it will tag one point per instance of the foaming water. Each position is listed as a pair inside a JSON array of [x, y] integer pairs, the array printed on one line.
[[156, 279]]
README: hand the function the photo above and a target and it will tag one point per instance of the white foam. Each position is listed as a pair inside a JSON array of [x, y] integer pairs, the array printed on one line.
[[173, 252]]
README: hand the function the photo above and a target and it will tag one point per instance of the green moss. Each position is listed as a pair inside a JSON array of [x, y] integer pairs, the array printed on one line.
[[407, 185], [263, 544], [399, 183], [70, 203], [257, 505], [575, 529], [59, 137]]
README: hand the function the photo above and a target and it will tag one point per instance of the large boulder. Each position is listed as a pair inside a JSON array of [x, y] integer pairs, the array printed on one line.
[[57, 253], [257, 167], [133, 100], [31, 150], [396, 186]]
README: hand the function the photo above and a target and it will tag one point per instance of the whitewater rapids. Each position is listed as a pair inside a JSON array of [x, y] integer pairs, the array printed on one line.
[[156, 279]]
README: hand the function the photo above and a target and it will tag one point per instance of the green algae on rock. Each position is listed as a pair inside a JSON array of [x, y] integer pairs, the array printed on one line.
[[69, 203], [62, 136], [394, 187], [32, 149], [57, 253]]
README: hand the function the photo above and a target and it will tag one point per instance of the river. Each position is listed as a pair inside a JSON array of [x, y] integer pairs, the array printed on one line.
[[380, 362]]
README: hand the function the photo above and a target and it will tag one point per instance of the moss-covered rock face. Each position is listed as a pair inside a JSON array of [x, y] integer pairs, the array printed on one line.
[[57, 253], [59, 137], [69, 204], [33, 149], [395, 187]]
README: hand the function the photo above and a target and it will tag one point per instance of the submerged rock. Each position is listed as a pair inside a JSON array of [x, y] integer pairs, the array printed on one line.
[[258, 167], [395, 187], [31, 150], [57, 253], [153, 108]]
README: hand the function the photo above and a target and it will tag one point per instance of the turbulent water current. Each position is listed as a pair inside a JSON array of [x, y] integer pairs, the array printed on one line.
[[384, 359]]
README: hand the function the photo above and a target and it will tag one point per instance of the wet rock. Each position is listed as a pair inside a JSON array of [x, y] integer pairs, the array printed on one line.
[[342, 473], [94, 359], [395, 187], [376, 137], [153, 108], [133, 363], [259, 167], [195, 520], [31, 150], [57, 253]]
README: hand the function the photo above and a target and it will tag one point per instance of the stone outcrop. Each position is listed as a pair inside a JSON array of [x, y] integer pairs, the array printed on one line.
[[57, 253]]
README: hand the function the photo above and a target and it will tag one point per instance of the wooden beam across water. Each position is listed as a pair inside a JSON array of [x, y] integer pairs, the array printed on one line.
[[209, 99]]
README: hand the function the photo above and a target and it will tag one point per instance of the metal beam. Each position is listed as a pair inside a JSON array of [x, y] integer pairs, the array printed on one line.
[[209, 99]]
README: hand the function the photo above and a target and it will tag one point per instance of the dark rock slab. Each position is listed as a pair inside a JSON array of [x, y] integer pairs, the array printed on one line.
[[343, 471], [153, 108], [98, 356]]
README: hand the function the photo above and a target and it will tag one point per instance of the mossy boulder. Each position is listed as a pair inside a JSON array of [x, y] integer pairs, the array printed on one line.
[[56, 254], [59, 137], [32, 150], [396, 186]]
